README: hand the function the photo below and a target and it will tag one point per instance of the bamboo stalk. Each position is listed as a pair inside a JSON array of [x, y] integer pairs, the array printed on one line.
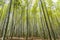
[[5, 31], [27, 20], [50, 22], [45, 19]]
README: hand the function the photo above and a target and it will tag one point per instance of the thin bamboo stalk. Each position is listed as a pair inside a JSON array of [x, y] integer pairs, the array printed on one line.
[[5, 31], [45, 19]]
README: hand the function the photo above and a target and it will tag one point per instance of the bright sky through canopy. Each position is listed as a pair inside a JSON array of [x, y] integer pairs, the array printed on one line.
[[54, 1]]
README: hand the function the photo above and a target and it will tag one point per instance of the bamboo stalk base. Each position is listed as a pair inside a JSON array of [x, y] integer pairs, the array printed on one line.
[[30, 38]]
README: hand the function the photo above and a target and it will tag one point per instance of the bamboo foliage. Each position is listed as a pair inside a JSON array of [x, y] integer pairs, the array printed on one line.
[[30, 18]]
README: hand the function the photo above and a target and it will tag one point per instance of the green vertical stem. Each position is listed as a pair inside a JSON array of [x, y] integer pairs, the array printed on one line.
[[5, 31], [3, 27], [12, 26], [50, 22], [45, 20], [43, 28], [21, 25], [27, 21], [42, 23]]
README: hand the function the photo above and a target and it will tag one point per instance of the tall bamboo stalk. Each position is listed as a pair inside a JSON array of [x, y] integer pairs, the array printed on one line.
[[3, 27], [27, 20], [45, 19], [50, 22], [12, 26], [8, 16]]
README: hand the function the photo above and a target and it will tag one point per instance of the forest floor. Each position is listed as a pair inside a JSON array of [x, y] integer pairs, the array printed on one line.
[[17, 38]]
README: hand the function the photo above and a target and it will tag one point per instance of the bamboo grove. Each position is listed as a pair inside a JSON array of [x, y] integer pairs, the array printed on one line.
[[30, 18]]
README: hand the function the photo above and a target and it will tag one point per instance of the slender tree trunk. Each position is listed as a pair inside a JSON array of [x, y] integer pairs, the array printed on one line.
[[3, 27], [12, 26], [42, 27], [27, 20], [50, 22], [5, 31], [45, 19]]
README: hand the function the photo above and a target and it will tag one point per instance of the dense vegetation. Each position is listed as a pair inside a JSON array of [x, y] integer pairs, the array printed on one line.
[[30, 18]]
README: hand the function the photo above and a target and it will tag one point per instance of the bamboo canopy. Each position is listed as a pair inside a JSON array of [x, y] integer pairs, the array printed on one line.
[[30, 18]]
